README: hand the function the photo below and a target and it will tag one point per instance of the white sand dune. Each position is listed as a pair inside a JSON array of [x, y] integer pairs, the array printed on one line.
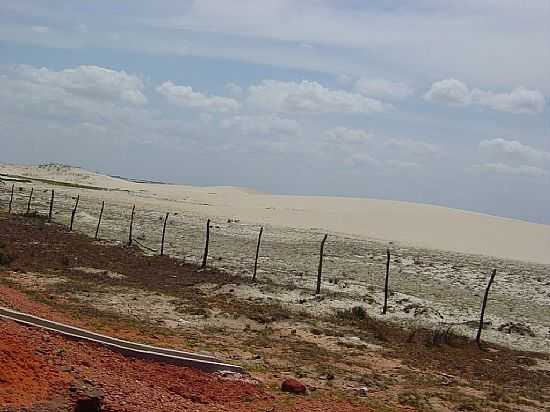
[[416, 224]]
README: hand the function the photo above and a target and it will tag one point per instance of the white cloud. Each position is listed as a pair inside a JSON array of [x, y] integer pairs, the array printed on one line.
[[85, 108], [91, 82], [504, 169], [351, 146], [234, 89], [505, 44], [520, 100], [84, 94], [264, 125], [361, 158], [401, 165], [412, 149], [512, 151], [383, 89], [450, 91], [308, 97], [344, 79], [185, 96], [343, 135]]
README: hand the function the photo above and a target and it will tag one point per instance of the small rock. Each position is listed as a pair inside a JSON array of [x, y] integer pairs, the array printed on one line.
[[293, 386], [518, 328], [363, 391], [88, 402], [327, 377]]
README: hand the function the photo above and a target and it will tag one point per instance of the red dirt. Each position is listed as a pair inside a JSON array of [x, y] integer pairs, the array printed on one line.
[[40, 367], [33, 362], [25, 378], [136, 385], [14, 299]]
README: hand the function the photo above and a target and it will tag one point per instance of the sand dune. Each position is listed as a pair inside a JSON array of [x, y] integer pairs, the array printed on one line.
[[415, 224]]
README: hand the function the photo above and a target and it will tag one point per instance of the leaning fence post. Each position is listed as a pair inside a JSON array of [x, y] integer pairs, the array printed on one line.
[[99, 220], [257, 254], [163, 232], [74, 213], [205, 256], [320, 268], [387, 282], [11, 198], [131, 226], [29, 202], [51, 208], [478, 337]]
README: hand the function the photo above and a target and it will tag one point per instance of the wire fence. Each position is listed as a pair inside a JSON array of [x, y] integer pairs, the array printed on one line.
[[351, 267]]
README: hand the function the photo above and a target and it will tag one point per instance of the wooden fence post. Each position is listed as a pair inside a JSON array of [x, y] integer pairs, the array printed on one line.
[[163, 232], [205, 256], [73, 213], [478, 337], [29, 202], [131, 226], [11, 198], [320, 268], [99, 220], [257, 254], [387, 282], [51, 208]]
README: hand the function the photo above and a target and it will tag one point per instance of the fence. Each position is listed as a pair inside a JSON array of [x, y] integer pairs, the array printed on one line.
[[162, 233]]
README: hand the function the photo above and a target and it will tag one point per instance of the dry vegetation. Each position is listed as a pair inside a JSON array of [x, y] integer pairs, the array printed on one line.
[[162, 300]]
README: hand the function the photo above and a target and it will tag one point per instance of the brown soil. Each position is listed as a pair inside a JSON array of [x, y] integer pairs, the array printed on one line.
[[40, 369], [44, 371], [407, 375]]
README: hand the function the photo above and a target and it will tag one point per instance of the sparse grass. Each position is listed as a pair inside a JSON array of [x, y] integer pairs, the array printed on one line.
[[355, 313], [424, 354], [415, 399], [442, 334], [25, 179]]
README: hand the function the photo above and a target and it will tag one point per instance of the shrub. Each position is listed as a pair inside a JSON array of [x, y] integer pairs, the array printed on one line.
[[5, 259], [355, 313]]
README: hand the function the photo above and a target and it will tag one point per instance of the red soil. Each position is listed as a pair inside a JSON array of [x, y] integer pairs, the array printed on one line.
[[25, 378], [39, 367]]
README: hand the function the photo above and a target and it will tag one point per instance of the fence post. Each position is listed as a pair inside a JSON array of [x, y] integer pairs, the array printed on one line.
[[11, 198], [74, 213], [29, 202], [163, 232], [205, 256], [131, 226], [257, 254], [387, 282], [478, 337], [51, 208], [320, 268], [99, 220]]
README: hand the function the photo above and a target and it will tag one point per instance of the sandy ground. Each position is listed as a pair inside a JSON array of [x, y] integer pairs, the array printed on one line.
[[271, 330], [419, 225], [440, 257]]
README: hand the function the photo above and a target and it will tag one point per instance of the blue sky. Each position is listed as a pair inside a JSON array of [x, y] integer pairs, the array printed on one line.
[[441, 102]]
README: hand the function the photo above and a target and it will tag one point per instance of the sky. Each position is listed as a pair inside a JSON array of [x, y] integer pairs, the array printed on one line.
[[434, 101]]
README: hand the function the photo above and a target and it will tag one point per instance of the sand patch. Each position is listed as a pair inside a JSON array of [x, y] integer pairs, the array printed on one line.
[[100, 272]]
